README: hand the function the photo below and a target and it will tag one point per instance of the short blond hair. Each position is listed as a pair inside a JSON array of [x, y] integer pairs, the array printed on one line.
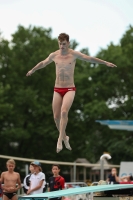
[[11, 161]]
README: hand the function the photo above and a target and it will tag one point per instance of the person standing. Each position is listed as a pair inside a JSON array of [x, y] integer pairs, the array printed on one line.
[[112, 177], [0, 190], [37, 179], [11, 181], [26, 182], [56, 182]]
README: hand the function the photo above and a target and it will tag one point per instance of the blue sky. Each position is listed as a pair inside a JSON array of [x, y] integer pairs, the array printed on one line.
[[92, 23]]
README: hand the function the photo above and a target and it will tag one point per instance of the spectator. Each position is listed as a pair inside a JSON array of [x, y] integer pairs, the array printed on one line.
[[26, 182], [10, 179], [113, 178], [128, 178], [37, 179], [56, 182], [0, 190]]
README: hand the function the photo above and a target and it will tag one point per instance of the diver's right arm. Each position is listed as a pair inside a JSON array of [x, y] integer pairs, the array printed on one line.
[[41, 64]]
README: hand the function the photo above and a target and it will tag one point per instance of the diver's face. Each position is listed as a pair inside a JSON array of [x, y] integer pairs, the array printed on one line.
[[63, 45]]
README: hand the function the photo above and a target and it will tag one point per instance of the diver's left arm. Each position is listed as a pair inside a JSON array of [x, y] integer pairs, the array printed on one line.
[[91, 59]]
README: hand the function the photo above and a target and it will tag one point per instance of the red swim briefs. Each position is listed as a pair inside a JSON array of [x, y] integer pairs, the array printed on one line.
[[63, 91]]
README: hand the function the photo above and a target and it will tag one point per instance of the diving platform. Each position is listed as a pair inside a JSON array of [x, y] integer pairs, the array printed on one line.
[[76, 191]]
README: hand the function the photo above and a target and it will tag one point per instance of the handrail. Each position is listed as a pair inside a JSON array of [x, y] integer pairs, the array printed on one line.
[[57, 162]]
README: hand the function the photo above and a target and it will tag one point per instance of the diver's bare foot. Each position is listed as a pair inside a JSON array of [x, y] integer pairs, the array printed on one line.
[[59, 146], [66, 142]]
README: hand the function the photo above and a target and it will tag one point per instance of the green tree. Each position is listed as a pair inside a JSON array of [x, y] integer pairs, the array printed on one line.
[[27, 127], [114, 89]]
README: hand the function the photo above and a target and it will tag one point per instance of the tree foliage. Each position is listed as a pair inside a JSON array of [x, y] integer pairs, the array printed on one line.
[[27, 127]]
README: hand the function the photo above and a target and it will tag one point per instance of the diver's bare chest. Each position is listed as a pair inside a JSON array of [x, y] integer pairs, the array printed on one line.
[[61, 61]]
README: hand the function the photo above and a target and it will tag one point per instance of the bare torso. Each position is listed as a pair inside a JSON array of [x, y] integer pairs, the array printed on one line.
[[10, 180], [65, 65]]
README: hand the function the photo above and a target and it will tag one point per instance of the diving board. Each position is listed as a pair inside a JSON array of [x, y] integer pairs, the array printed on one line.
[[74, 191], [118, 124]]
